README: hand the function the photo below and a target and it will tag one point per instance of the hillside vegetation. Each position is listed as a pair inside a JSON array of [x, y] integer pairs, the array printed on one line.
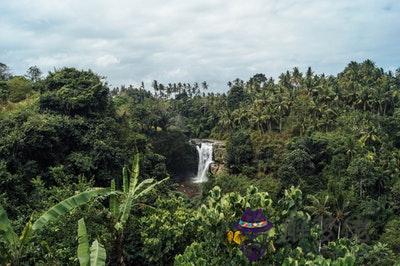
[[320, 154]]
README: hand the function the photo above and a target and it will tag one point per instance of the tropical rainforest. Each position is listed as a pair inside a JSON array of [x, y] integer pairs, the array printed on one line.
[[89, 173]]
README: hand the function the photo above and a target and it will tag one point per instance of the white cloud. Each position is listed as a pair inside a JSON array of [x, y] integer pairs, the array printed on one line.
[[213, 40], [107, 60]]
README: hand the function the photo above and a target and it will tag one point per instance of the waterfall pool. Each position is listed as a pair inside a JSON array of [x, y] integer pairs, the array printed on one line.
[[192, 186]]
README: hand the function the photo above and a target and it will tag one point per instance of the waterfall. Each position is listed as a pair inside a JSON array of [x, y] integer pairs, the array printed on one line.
[[205, 151]]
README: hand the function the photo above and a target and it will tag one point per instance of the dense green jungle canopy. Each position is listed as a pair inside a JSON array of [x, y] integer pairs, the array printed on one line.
[[320, 154]]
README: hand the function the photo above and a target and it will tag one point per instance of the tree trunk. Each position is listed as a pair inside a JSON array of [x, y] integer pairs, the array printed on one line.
[[321, 223], [119, 253], [340, 226]]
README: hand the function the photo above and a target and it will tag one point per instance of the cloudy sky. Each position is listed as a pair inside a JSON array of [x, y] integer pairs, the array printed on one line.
[[129, 41]]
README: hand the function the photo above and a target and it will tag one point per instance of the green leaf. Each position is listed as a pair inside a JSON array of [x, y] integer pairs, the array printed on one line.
[[83, 244], [128, 203], [135, 172], [144, 182], [97, 254], [126, 209], [125, 180], [113, 200], [67, 205], [26, 232], [6, 230], [145, 191], [349, 260]]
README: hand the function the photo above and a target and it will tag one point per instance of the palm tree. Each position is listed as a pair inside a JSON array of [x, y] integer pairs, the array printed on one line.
[[340, 212], [270, 115], [319, 209], [240, 116], [282, 105], [256, 117], [364, 98], [225, 120], [255, 120], [387, 99], [296, 78]]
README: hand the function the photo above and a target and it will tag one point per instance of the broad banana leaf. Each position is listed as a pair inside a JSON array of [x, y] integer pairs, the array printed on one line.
[[113, 200], [128, 203], [6, 230], [125, 180], [98, 254], [83, 244], [135, 172], [125, 211], [26, 232], [146, 190], [67, 205], [144, 182]]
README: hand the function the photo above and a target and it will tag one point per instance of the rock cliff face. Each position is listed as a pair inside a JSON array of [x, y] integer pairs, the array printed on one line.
[[219, 154]]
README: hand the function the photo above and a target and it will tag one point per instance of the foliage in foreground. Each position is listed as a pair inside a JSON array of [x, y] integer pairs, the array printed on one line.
[[16, 246], [93, 256], [336, 139]]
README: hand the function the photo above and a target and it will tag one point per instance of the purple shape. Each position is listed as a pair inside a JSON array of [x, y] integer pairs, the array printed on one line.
[[253, 251], [253, 216]]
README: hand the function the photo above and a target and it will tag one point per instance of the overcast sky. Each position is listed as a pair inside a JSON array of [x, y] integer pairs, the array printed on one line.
[[194, 40]]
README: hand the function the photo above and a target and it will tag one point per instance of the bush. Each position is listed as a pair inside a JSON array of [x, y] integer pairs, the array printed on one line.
[[391, 235], [240, 183], [19, 88], [165, 230]]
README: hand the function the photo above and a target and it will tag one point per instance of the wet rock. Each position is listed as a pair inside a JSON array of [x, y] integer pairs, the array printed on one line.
[[217, 168]]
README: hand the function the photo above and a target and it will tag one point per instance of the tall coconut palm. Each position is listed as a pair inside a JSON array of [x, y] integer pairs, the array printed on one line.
[[319, 209], [240, 116], [340, 212], [226, 120], [282, 106], [255, 119]]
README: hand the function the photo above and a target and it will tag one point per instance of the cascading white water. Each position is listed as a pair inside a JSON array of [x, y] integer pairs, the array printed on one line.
[[205, 151]]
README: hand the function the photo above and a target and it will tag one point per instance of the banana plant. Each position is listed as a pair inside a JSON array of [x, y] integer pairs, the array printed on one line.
[[93, 256], [121, 202], [16, 244]]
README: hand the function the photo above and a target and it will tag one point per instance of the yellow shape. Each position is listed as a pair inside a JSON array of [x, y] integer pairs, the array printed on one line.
[[238, 238], [229, 236]]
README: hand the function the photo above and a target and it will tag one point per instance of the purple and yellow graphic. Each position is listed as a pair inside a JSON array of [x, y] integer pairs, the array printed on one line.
[[252, 224]]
